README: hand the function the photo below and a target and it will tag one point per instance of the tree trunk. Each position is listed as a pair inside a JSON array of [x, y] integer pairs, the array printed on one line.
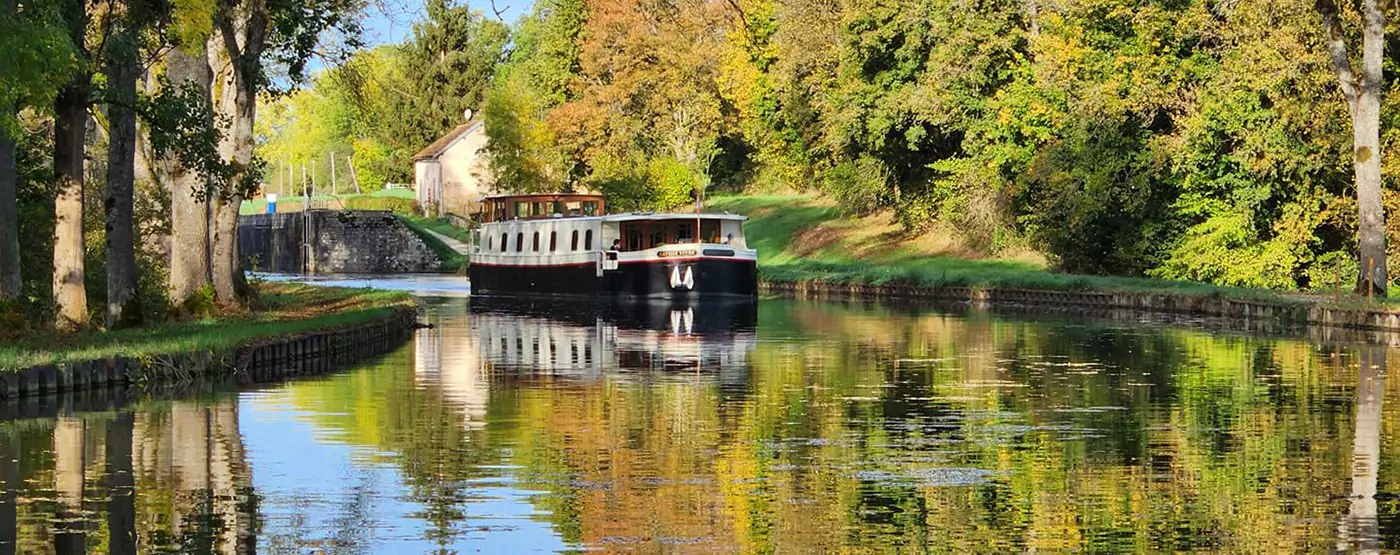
[[9, 219], [236, 106], [1366, 126], [189, 194], [123, 306], [1363, 94], [9, 211], [70, 125]]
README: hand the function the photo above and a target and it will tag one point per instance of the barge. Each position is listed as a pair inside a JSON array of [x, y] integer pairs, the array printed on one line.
[[568, 245]]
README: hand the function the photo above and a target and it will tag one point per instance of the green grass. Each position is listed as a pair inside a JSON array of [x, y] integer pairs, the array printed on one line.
[[800, 238], [440, 225], [287, 309], [377, 200], [453, 262]]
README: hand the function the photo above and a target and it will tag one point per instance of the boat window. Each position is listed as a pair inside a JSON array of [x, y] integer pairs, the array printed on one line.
[[519, 242], [588, 240], [709, 231], [490, 241], [553, 240], [573, 244], [683, 233], [503, 242], [535, 246]]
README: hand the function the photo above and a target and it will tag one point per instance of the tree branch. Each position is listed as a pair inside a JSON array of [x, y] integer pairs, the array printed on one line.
[[1337, 49]]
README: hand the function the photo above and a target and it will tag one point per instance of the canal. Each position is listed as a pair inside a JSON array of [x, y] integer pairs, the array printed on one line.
[[794, 427]]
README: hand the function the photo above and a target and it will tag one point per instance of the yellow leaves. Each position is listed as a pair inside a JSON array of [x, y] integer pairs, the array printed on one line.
[[193, 23]]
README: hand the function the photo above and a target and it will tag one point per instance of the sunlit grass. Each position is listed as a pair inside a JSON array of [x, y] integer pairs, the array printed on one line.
[[288, 309], [452, 261], [780, 227], [440, 225]]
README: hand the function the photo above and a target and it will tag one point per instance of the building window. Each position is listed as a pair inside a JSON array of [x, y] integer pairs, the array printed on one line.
[[573, 243], [588, 240], [519, 242], [536, 243], [553, 240]]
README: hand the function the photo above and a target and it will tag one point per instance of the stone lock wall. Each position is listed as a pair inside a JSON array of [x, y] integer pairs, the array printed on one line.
[[340, 242]]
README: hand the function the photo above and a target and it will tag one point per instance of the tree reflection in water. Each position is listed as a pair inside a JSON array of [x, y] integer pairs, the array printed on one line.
[[830, 427], [162, 478]]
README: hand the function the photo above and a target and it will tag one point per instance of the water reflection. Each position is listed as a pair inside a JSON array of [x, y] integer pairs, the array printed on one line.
[[170, 478], [794, 427]]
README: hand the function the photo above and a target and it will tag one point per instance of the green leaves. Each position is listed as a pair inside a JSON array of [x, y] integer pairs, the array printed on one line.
[[379, 106], [181, 123], [37, 57]]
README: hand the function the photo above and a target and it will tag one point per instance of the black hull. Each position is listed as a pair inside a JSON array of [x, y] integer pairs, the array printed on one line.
[[647, 280]]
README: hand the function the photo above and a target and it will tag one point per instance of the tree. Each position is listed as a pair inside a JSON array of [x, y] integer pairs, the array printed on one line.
[[9, 219], [244, 33], [520, 143], [122, 67], [1363, 96], [184, 139], [70, 137], [37, 55], [450, 62], [9, 208]]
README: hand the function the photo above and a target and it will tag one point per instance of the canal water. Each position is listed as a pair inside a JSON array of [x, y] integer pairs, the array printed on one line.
[[792, 427]]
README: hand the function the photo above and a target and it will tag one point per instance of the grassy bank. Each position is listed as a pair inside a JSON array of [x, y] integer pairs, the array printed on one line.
[[453, 262], [439, 225], [808, 239], [287, 309]]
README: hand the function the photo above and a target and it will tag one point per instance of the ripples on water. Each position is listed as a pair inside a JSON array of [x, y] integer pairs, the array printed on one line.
[[825, 427]]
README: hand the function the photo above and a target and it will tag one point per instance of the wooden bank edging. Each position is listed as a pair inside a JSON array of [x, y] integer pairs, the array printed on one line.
[[1285, 312], [304, 354]]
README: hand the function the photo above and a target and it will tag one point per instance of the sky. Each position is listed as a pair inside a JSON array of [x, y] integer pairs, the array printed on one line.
[[391, 21]]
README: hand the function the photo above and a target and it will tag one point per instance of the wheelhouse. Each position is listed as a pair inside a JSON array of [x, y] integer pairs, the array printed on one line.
[[533, 207]]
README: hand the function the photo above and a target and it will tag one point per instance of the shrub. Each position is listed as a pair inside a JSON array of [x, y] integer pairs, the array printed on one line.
[[406, 206], [861, 186]]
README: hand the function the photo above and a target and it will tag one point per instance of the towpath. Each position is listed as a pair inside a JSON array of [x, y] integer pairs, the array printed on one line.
[[460, 247]]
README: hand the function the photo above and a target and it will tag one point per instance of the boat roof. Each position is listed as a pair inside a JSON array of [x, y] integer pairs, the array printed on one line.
[[634, 217], [639, 216], [527, 196]]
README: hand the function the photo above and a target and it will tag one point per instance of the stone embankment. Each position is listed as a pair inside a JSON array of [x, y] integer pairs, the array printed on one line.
[[1280, 313], [268, 360], [333, 242]]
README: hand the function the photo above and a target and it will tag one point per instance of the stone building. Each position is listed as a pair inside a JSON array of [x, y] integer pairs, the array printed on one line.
[[450, 175]]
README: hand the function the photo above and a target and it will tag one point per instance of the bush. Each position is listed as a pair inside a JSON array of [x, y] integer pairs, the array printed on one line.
[[637, 183], [861, 186], [406, 206]]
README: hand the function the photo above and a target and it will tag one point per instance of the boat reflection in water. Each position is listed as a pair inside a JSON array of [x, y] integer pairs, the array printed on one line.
[[517, 339]]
